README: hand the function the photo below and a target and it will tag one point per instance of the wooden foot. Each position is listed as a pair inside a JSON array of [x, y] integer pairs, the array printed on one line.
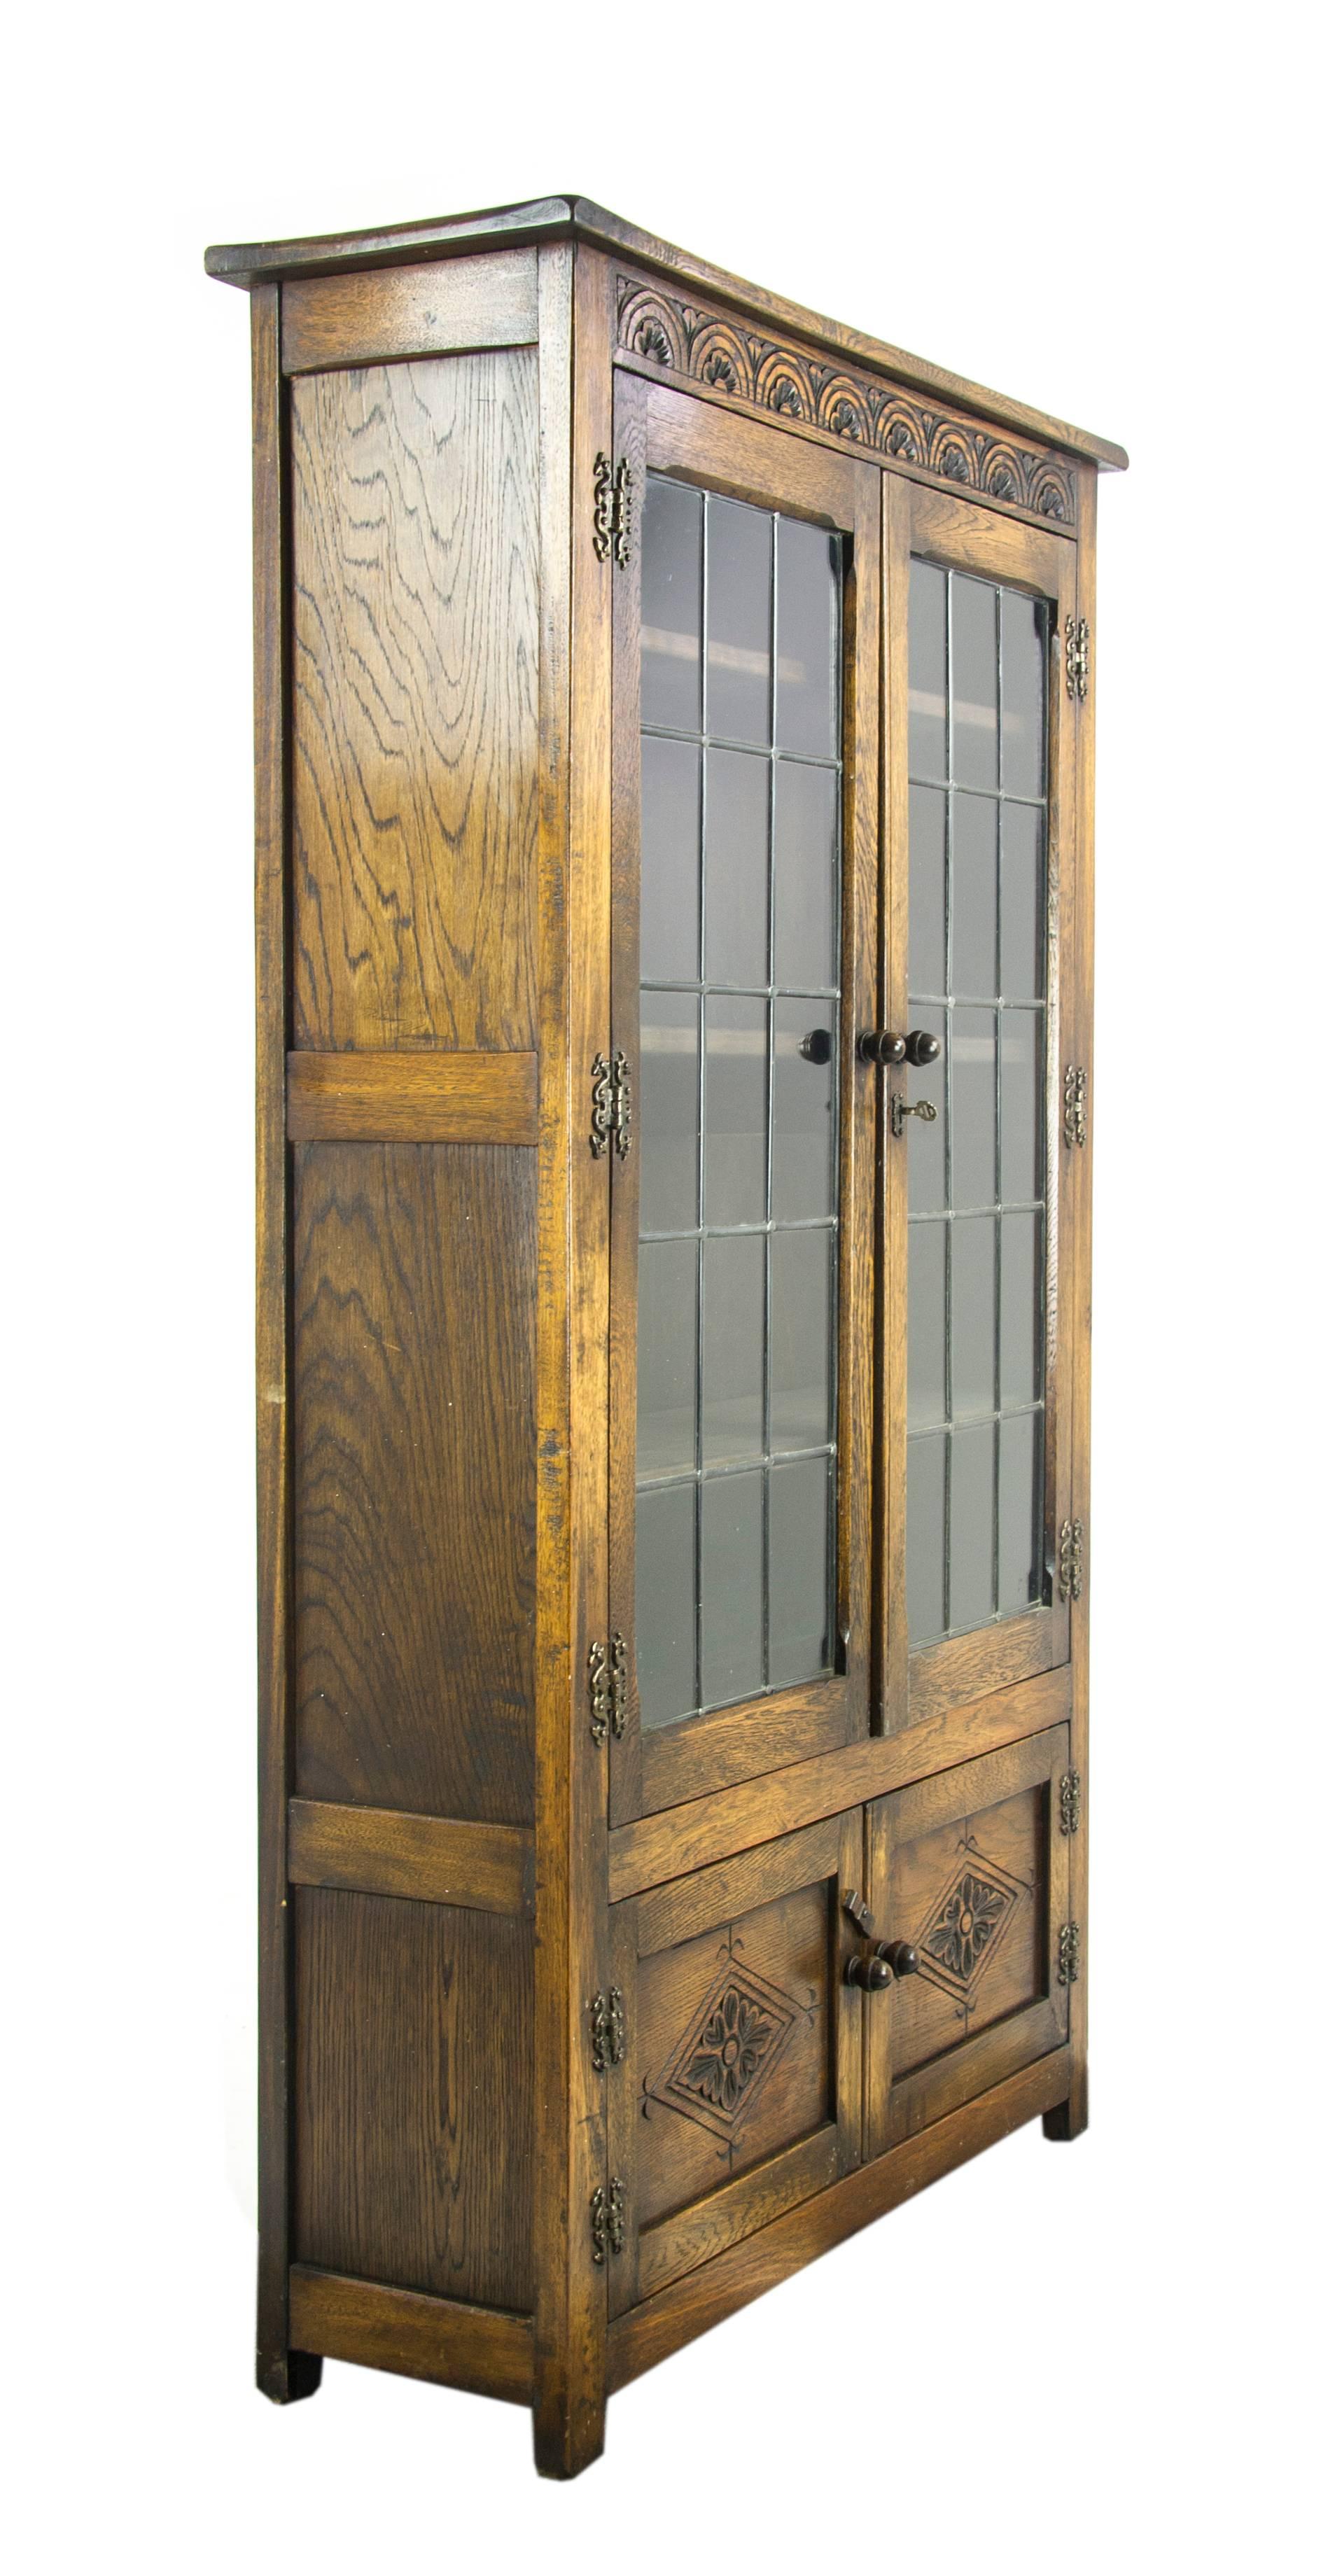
[[286, 2376], [568, 2439], [1071, 2118]]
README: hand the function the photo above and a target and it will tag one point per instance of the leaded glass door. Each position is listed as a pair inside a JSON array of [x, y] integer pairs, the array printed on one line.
[[742, 1218], [977, 1212]]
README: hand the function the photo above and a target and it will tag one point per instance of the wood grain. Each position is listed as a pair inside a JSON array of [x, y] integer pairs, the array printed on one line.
[[414, 1287], [438, 1858], [455, 1098], [415, 637], [413, 2148], [445, 2340], [708, 1829], [689, 2307], [375, 314]]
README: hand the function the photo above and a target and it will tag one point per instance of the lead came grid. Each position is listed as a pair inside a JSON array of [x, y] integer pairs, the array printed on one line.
[[738, 1125], [977, 966]]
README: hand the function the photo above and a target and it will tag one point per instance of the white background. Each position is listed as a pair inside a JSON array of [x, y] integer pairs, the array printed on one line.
[[1111, 2355]]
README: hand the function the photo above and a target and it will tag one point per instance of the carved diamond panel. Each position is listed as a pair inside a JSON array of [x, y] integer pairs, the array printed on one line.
[[721, 2061], [966, 1924]]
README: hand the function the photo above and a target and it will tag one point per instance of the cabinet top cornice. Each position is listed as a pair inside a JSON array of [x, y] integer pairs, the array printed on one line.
[[576, 218]]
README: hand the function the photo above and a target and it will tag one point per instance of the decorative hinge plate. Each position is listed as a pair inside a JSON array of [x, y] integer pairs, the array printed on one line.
[[607, 2207], [608, 1687], [1069, 1954], [1069, 1802], [1071, 1560], [605, 2021], [611, 1103], [1078, 657], [612, 512], [1074, 1089]]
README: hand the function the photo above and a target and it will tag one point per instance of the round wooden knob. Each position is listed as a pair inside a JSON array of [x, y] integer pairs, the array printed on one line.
[[881, 1046], [920, 1047], [872, 1974], [900, 1956]]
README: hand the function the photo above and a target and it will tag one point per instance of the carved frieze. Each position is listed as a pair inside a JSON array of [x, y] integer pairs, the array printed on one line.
[[790, 382]]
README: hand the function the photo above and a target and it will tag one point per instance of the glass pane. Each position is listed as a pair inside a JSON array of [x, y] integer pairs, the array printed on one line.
[[800, 1338], [664, 1593], [974, 1108], [974, 683], [1023, 650], [1017, 1513], [733, 1614], [740, 602], [927, 1145], [974, 910], [973, 1317], [1020, 1105], [977, 876], [800, 1555], [927, 671], [672, 551], [668, 1112], [1022, 903], [805, 1099], [925, 1538], [927, 1325], [735, 1069], [737, 1128], [1022, 1311], [971, 1571], [736, 869], [669, 905], [927, 890], [808, 616], [733, 1346], [806, 884], [668, 1306]]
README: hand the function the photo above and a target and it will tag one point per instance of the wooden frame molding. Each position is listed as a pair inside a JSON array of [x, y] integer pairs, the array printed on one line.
[[483, 303], [700, 2299], [485, 2350], [439, 1097], [443, 1860]]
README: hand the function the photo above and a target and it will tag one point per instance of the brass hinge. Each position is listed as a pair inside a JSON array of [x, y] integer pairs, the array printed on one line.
[[1069, 1954], [611, 1103], [607, 2207], [608, 1687], [1074, 1088], [1069, 1803], [605, 2022], [612, 513], [1071, 1560], [1078, 657]]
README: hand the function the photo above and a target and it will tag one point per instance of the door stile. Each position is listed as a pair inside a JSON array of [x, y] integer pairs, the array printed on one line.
[[892, 1309]]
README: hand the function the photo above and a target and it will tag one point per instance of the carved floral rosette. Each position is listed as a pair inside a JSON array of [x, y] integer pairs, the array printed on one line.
[[727, 358]]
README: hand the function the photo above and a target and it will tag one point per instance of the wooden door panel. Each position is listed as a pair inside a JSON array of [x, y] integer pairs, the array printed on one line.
[[738, 2092], [970, 1869]]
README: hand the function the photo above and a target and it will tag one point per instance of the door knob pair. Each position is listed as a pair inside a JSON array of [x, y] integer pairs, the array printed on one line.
[[886, 1047], [878, 1967]]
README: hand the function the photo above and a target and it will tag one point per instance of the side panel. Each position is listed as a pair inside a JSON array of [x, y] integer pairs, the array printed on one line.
[[416, 622], [412, 2165], [414, 1416]]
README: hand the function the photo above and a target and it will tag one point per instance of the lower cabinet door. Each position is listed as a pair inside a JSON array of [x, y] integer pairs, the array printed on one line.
[[734, 2054], [970, 1869]]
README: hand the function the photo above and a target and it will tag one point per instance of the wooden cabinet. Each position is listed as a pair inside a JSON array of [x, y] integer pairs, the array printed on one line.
[[673, 725]]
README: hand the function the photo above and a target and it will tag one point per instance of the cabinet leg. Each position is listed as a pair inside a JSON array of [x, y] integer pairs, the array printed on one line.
[[286, 2376], [568, 2438], [1071, 2118]]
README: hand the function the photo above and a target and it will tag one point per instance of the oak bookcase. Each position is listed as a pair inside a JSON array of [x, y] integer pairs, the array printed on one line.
[[674, 787]]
